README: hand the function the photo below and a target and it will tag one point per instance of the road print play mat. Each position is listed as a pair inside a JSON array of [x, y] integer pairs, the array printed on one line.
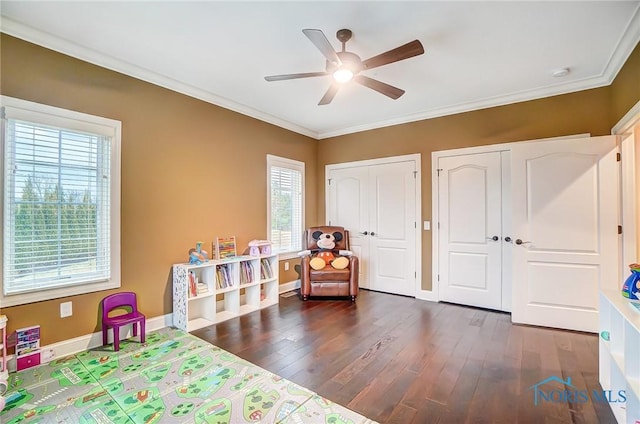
[[172, 378]]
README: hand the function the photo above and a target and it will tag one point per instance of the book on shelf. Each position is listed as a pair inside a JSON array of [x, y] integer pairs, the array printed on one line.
[[193, 284], [265, 269], [202, 288], [225, 247], [223, 276], [246, 272]]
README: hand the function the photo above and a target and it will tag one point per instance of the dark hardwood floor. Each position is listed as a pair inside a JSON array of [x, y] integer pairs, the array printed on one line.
[[400, 360]]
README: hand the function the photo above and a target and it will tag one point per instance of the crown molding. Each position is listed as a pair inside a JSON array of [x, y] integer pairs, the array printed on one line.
[[517, 97], [625, 46], [52, 42]]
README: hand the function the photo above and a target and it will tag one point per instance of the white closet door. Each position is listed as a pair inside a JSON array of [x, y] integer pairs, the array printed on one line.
[[392, 229], [565, 214], [348, 207], [470, 236], [377, 204]]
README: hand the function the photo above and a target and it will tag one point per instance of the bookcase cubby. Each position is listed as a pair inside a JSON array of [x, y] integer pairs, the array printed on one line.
[[221, 289], [619, 354]]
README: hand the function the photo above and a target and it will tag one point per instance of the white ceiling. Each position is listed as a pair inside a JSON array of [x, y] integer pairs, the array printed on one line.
[[477, 54]]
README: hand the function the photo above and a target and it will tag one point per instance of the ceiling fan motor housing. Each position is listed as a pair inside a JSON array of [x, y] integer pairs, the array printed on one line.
[[349, 61]]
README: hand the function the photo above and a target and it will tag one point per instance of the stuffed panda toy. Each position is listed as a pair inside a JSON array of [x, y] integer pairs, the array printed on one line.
[[326, 252]]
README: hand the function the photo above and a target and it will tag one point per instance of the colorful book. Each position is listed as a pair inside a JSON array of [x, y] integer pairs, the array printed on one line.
[[193, 284]]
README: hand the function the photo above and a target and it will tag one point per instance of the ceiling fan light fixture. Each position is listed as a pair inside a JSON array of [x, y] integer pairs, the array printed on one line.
[[343, 75], [345, 66]]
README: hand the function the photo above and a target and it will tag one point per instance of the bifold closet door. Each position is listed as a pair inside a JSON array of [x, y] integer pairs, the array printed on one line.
[[470, 235], [377, 204], [348, 206], [392, 228]]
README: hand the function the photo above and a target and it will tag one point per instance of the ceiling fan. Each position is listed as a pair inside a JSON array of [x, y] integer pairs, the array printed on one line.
[[345, 66]]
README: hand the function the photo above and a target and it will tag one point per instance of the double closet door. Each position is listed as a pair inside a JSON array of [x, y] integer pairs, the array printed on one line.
[[532, 228], [377, 204]]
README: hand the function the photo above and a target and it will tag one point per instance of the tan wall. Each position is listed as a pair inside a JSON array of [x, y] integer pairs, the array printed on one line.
[[588, 111], [190, 171], [625, 89]]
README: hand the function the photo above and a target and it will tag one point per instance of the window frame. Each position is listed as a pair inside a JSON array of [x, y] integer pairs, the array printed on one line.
[[75, 121], [281, 162]]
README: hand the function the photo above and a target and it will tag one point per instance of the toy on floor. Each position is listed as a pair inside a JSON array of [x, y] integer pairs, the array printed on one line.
[[326, 254], [631, 287], [4, 373], [128, 302], [27, 344]]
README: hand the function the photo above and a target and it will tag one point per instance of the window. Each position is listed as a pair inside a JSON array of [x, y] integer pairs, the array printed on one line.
[[285, 205], [61, 203]]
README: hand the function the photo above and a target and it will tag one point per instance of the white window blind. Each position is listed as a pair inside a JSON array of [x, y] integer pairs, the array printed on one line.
[[286, 182], [57, 206]]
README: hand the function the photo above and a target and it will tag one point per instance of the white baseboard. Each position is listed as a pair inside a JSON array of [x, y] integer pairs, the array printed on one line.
[[287, 287], [89, 341]]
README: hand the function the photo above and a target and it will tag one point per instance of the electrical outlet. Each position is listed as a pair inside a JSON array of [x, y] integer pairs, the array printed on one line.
[[286, 266], [66, 309], [427, 225], [47, 355]]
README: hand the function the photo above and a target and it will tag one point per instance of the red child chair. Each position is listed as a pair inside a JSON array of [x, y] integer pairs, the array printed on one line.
[[126, 301]]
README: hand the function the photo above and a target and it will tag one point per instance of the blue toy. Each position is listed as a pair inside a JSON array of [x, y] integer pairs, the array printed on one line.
[[631, 286], [197, 256]]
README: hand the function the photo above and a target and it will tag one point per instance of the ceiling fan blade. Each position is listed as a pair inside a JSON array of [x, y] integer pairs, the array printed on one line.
[[379, 86], [295, 76], [318, 38], [403, 52], [329, 95]]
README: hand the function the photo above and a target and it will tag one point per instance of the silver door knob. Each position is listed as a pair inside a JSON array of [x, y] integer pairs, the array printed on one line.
[[494, 238], [507, 239], [372, 233], [519, 242], [365, 233]]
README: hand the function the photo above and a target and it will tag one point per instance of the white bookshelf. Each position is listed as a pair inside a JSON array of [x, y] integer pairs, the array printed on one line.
[[231, 291], [619, 366]]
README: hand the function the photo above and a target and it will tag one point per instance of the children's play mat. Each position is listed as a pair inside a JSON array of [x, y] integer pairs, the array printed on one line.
[[173, 378]]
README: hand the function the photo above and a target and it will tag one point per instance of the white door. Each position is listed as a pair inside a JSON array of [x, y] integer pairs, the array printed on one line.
[[392, 228], [377, 204], [564, 216], [470, 236], [348, 206]]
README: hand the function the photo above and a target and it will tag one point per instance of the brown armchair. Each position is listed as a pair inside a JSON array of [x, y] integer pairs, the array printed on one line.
[[328, 281]]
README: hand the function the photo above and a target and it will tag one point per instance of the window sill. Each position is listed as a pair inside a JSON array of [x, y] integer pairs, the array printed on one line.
[[42, 295]]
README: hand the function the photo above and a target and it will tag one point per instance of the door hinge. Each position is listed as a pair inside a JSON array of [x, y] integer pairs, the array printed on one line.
[[415, 224], [438, 225], [438, 277], [619, 229], [329, 222], [414, 174], [415, 274], [618, 157], [330, 181], [438, 171]]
